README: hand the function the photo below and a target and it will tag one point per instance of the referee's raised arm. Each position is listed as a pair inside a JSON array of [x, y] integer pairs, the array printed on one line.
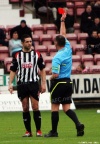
[[62, 26]]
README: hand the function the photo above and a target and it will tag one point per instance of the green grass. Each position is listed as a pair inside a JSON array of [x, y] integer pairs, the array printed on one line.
[[12, 128]]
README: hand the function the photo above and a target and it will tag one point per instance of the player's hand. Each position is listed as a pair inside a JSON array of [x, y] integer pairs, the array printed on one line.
[[43, 87], [63, 16], [10, 88]]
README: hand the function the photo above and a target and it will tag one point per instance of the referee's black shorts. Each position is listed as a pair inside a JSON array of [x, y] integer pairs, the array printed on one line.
[[28, 89], [61, 91]]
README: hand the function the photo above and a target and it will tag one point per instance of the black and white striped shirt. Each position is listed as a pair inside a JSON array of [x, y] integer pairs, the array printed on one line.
[[26, 64]]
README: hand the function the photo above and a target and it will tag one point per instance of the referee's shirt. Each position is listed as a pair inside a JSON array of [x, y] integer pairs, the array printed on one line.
[[26, 64], [62, 62]]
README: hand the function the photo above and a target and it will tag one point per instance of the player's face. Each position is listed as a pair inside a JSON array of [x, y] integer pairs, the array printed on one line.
[[27, 44]]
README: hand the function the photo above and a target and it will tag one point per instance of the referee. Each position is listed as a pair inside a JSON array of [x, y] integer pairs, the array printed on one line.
[[61, 85], [25, 64]]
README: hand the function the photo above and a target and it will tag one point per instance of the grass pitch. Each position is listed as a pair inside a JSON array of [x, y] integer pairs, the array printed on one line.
[[12, 128]]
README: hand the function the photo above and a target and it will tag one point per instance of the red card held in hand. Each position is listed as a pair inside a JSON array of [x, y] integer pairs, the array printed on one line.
[[61, 11]]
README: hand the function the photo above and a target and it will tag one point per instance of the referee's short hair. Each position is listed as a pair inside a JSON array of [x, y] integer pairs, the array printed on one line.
[[24, 37], [61, 41]]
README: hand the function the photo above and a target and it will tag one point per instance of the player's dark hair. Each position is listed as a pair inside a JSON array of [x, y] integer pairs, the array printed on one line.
[[24, 37], [61, 41]]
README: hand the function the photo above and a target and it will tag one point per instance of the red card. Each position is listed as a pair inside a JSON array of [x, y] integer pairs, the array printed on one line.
[[61, 11]]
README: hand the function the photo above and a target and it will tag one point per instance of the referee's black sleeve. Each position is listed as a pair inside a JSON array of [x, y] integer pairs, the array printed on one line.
[[14, 64], [41, 64]]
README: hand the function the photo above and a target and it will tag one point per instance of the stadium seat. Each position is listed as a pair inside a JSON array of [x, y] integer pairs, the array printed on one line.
[[9, 27], [72, 37], [28, 1], [52, 54], [78, 49], [71, 11], [4, 52], [70, 4], [38, 29], [50, 29], [15, 2], [48, 59], [97, 59], [51, 48], [82, 38], [36, 39], [79, 11], [95, 69], [44, 54], [76, 28], [87, 60], [42, 49], [79, 4], [73, 70], [46, 39], [3, 28], [76, 60], [7, 63]]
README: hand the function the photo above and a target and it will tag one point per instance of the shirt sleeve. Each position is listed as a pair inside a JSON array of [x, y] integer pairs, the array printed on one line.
[[14, 64], [56, 65], [41, 63]]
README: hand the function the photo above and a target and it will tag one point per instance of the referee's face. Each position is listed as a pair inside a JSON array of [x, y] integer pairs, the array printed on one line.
[[27, 44]]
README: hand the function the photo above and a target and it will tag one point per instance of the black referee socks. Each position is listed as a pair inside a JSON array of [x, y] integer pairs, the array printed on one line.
[[37, 119], [73, 116], [27, 121], [54, 120]]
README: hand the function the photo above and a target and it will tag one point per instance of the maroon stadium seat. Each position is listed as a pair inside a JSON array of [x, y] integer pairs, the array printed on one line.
[[79, 49], [38, 29], [15, 1], [76, 28], [70, 4], [50, 29], [73, 70], [76, 60], [72, 37], [97, 59], [82, 38], [46, 39], [28, 1], [52, 54], [42, 49], [7, 63], [48, 59], [51, 48], [36, 39], [3, 28], [71, 11], [95, 69], [79, 4], [87, 60], [9, 27], [4, 52], [79, 11]]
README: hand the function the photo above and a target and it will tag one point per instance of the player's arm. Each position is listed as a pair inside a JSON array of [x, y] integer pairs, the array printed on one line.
[[11, 78], [55, 69], [13, 69], [43, 80], [62, 26], [41, 66]]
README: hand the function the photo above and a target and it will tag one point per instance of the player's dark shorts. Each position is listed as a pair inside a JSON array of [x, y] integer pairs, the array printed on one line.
[[61, 91], [28, 89]]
